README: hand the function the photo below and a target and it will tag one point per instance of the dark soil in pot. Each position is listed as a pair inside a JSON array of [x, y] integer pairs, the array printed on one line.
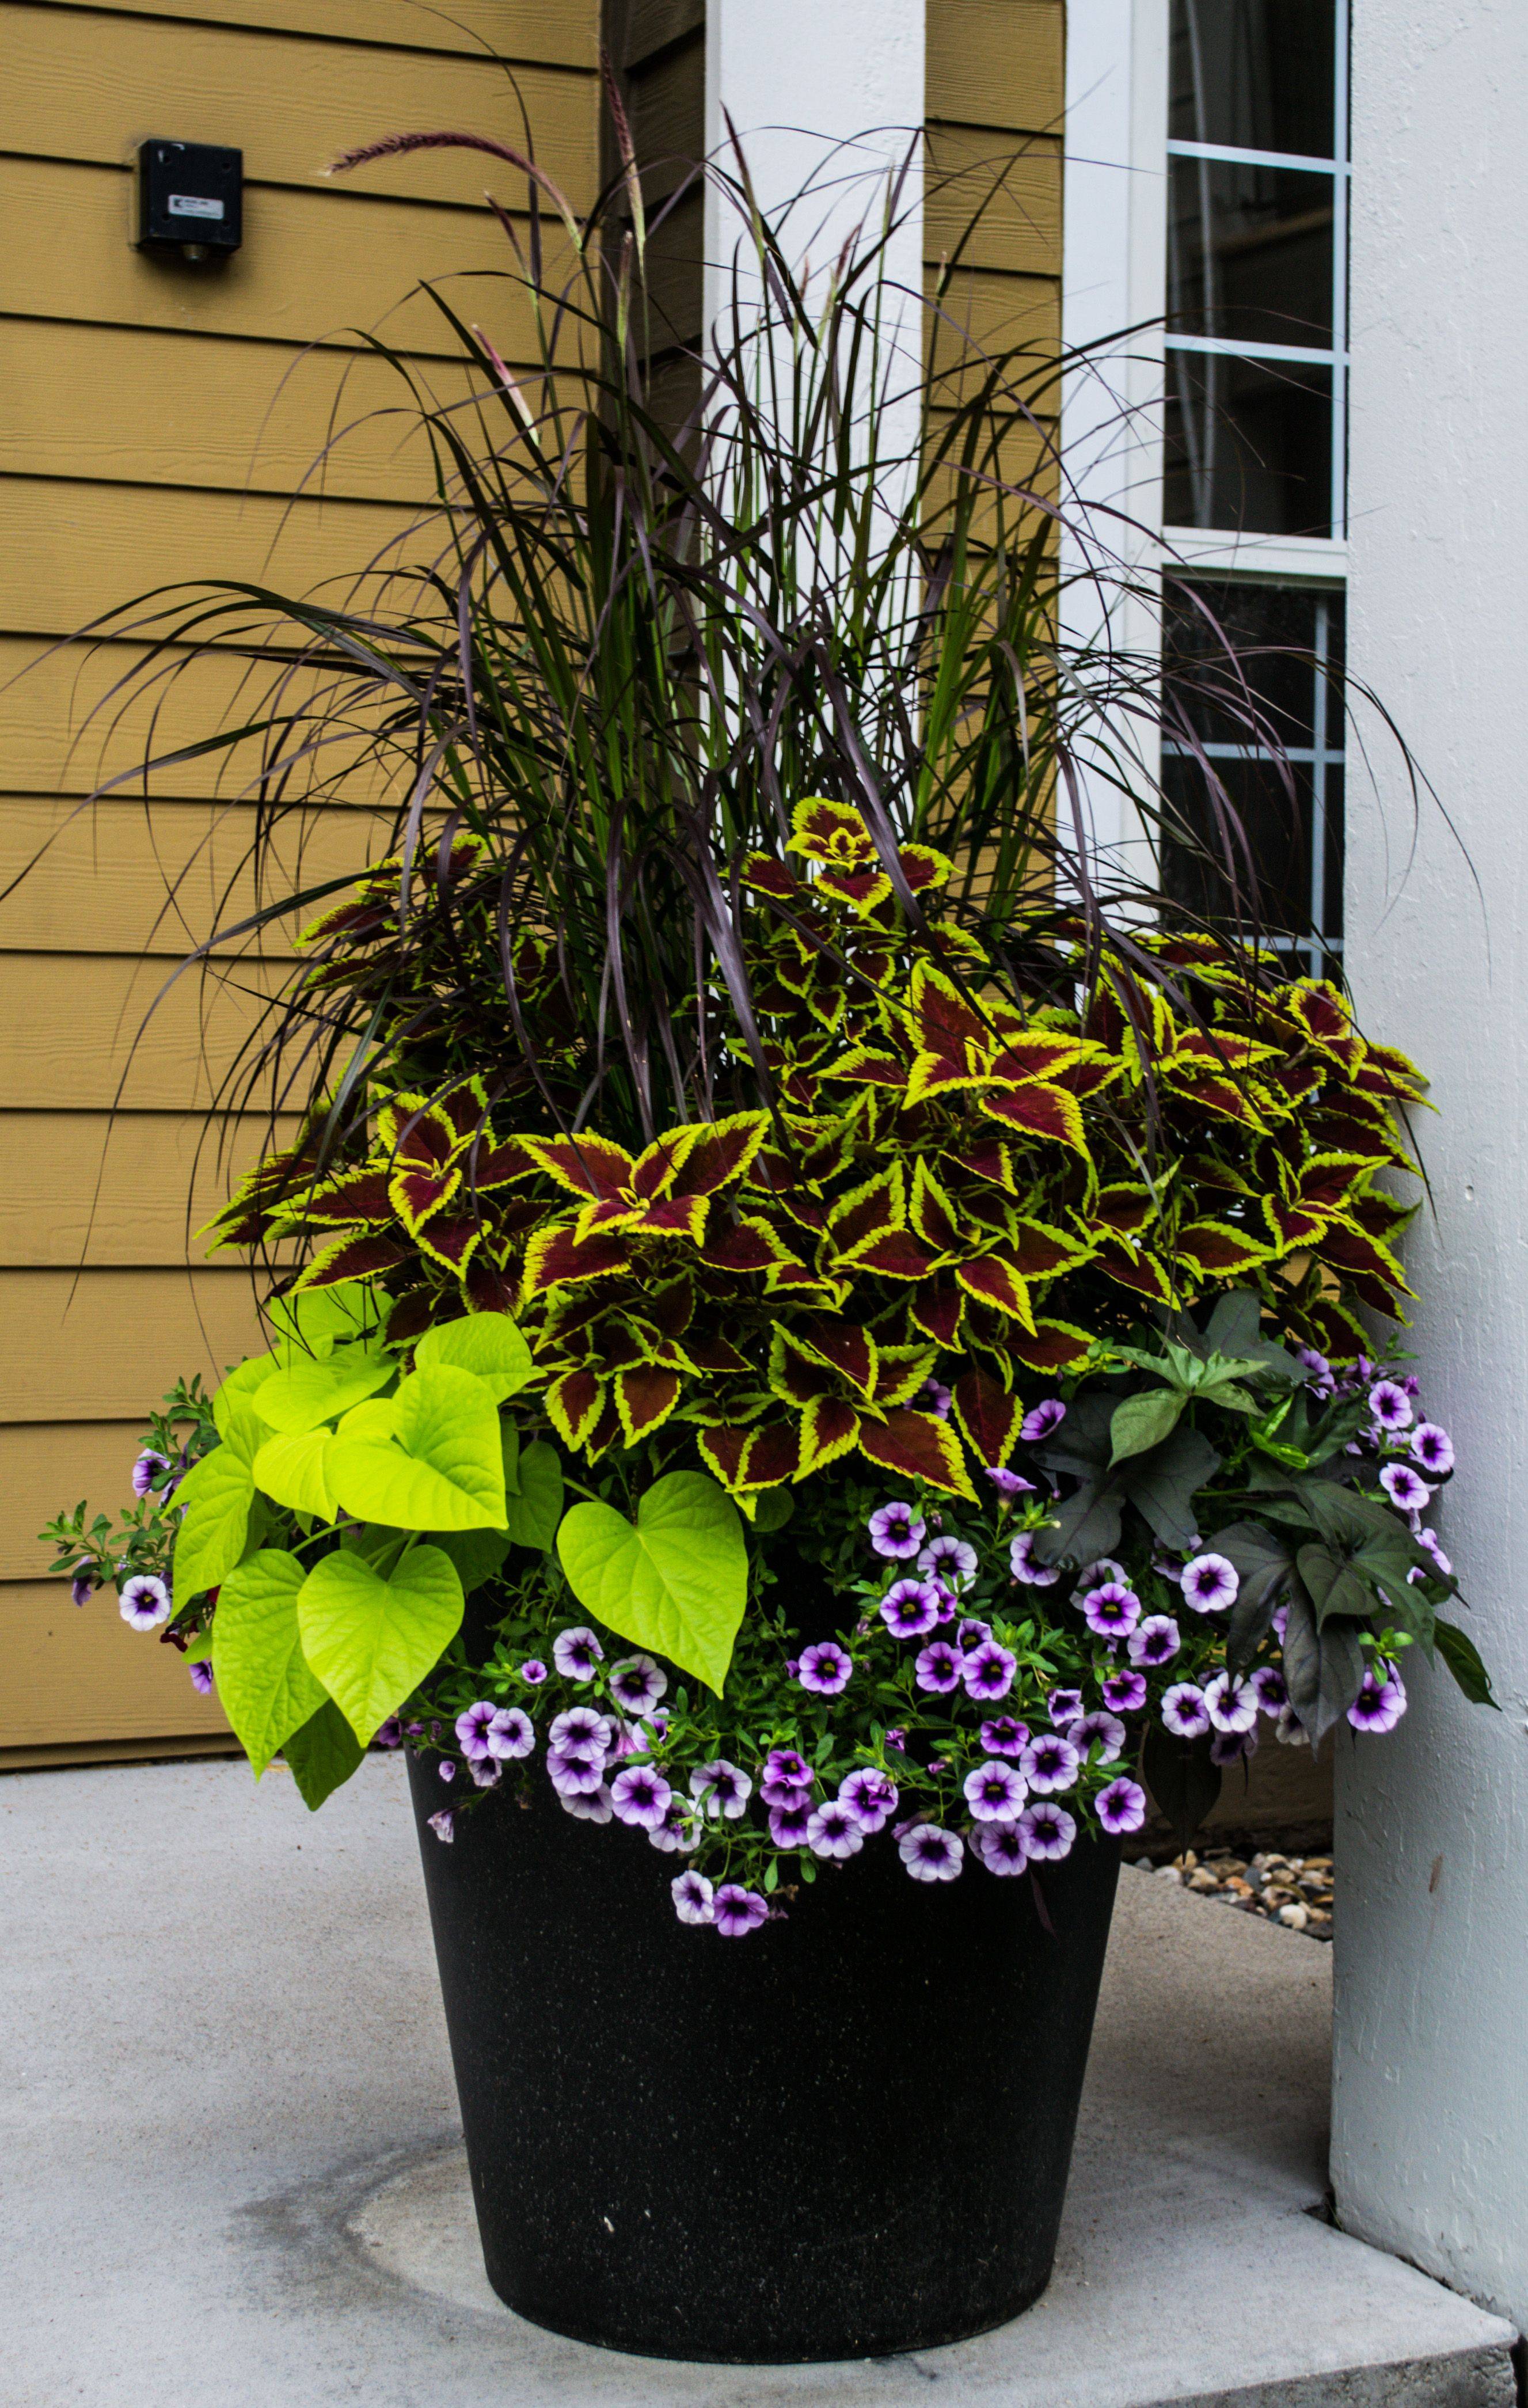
[[844, 2135]]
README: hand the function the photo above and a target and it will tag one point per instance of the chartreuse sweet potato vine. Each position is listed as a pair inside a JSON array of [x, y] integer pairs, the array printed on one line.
[[767, 1198]]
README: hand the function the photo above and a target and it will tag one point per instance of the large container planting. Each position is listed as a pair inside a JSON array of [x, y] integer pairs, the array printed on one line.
[[849, 2135]]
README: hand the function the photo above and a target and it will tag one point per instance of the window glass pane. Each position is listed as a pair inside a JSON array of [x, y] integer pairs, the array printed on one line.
[[1219, 637], [1246, 445], [1254, 74], [1266, 833], [1248, 253]]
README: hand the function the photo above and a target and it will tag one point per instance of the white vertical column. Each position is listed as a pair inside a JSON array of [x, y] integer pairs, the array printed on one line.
[[1113, 297], [1430, 2142]]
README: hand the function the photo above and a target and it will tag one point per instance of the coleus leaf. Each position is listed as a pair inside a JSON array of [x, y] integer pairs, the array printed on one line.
[[1041, 1112], [677, 1583], [918, 1446], [989, 1415], [993, 1280]]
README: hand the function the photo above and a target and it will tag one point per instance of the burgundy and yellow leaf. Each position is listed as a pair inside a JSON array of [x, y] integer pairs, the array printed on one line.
[[795, 1375], [1123, 1207], [988, 1414], [1141, 1273], [359, 1196], [868, 1066], [772, 1455], [750, 1246], [986, 1157], [1052, 1346], [712, 1355], [451, 1241], [767, 876], [993, 1280], [936, 1307], [720, 1152], [923, 868], [828, 1427], [1038, 1251], [861, 889], [1216, 1250], [1036, 1054], [931, 1214], [830, 832], [573, 1405], [644, 1399], [488, 1288], [585, 1165], [849, 1351], [558, 1257], [868, 1213], [901, 1374], [498, 1165], [1040, 1111], [918, 1446], [1362, 1258], [360, 1257], [898, 1256]]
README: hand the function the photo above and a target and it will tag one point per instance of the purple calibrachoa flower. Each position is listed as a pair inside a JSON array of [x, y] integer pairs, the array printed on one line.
[[693, 1898], [1063, 1707], [145, 1468], [910, 1608], [1290, 1731], [201, 1678], [637, 1683], [1002, 1736], [1120, 1806], [972, 1633], [1232, 1747], [581, 1734], [953, 1558], [388, 1734], [930, 1854], [588, 1805], [447, 1771], [1049, 1763], [444, 1824], [486, 1775], [1432, 1448], [788, 1822], [1039, 1424], [1429, 1540], [871, 1797], [472, 1730], [533, 1671], [1318, 1369], [576, 1654], [1406, 1490], [1270, 1688], [824, 1670], [937, 1667], [1107, 1730], [1124, 1692], [1007, 1484], [1281, 1621], [897, 1531], [1105, 1569], [82, 1587], [1000, 1846], [1231, 1702], [1048, 1831], [1184, 1711], [937, 1399], [1111, 1612], [995, 1793], [1023, 1567], [511, 1735], [835, 1830], [1380, 1702], [722, 1788], [1390, 1405], [786, 1774], [1209, 1583], [679, 1830], [572, 1777], [144, 1602], [1156, 1641], [640, 1795], [988, 1671], [737, 1912]]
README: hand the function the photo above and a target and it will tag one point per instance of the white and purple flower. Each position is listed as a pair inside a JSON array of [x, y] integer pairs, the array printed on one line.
[[735, 1912], [637, 1684], [533, 1671], [1184, 1711], [1124, 1692], [1429, 1538], [144, 1602], [1063, 1707], [824, 1670], [1049, 1764], [835, 1830], [82, 1586], [789, 1820], [722, 1788], [581, 1735], [574, 1776], [201, 1678], [1390, 1405], [1000, 1846], [145, 1468], [953, 1559], [988, 1670], [489, 1733], [871, 1795], [786, 1775], [1231, 1702], [1039, 1423], [587, 1805], [640, 1795], [938, 1667], [693, 1898], [1112, 1611], [1022, 1565], [995, 1793], [1209, 1583], [937, 1399], [930, 1852], [1105, 1732], [1153, 1641], [1007, 1484], [1048, 1831], [444, 1824], [1120, 1806], [576, 1654], [1227, 1748], [910, 1608], [679, 1832], [1002, 1736], [1407, 1490], [1271, 1690], [897, 1531], [1432, 1448], [1380, 1702]]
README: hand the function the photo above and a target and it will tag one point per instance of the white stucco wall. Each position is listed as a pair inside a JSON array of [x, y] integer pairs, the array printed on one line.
[[1431, 2109]]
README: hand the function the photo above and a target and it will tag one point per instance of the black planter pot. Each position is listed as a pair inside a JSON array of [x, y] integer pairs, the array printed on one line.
[[844, 2135]]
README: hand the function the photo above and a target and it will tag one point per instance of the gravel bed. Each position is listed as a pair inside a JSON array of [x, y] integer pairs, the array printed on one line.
[[1296, 1891]]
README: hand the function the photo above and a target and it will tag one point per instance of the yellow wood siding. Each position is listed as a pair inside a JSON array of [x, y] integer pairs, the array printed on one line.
[[159, 419]]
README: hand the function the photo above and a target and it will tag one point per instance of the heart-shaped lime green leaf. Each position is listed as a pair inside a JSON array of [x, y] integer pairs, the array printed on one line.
[[217, 1494], [313, 1320], [487, 1343], [240, 1385], [678, 1583], [322, 1755], [262, 1679], [534, 1507], [291, 1470], [371, 1641], [308, 1391], [443, 1468]]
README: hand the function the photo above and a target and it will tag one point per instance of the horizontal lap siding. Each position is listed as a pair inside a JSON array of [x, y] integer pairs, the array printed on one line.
[[165, 422]]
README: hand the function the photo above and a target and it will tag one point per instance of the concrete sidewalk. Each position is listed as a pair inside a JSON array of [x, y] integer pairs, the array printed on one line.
[[232, 2176]]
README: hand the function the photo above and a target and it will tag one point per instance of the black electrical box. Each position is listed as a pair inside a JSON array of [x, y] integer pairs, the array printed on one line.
[[191, 197]]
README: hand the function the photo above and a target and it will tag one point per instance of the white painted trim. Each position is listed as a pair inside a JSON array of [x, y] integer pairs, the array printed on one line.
[[1290, 559]]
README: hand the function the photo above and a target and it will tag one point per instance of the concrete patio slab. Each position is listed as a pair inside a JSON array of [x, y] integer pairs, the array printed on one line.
[[233, 2175]]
